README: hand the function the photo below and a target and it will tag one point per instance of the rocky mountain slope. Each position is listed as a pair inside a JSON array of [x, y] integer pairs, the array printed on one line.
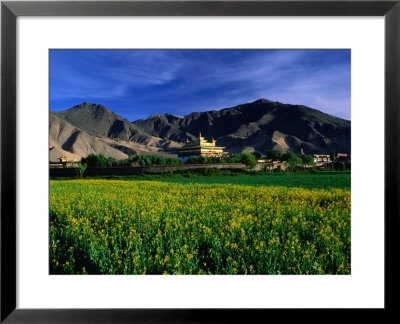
[[260, 125], [87, 128]]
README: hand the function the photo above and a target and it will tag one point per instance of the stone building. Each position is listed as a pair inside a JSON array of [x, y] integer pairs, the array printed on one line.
[[65, 163], [322, 158], [201, 147]]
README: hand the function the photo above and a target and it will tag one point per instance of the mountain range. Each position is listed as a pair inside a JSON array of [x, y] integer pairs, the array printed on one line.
[[257, 126]]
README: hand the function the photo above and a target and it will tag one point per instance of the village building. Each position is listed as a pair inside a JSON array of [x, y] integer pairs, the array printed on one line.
[[201, 147], [322, 158], [270, 165], [342, 156], [64, 163], [342, 162], [318, 158]]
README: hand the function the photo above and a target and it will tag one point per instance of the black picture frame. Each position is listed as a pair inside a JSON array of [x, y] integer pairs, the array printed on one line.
[[10, 10]]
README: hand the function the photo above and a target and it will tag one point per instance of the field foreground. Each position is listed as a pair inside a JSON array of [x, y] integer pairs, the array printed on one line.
[[154, 227]]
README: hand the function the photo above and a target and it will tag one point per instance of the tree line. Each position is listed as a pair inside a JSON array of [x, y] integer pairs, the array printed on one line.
[[100, 161], [247, 158], [290, 158]]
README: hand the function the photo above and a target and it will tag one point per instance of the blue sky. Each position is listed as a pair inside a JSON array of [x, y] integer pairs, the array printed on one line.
[[138, 83]]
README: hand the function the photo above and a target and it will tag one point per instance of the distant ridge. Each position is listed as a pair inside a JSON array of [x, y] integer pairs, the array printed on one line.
[[255, 126], [259, 125]]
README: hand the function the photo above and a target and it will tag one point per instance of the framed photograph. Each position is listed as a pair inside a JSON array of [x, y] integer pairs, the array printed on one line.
[[190, 161]]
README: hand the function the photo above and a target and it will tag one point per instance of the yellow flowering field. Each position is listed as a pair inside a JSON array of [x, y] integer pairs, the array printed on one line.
[[151, 227]]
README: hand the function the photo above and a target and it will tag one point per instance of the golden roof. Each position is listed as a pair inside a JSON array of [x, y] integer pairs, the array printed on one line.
[[200, 142]]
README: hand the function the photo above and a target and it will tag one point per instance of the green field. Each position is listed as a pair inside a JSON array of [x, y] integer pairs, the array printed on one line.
[[191, 224], [317, 180], [302, 180]]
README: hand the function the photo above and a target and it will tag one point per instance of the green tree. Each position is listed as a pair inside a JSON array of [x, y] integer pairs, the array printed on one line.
[[308, 160], [291, 159], [93, 160], [273, 155], [248, 159], [193, 160], [111, 162], [80, 169]]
